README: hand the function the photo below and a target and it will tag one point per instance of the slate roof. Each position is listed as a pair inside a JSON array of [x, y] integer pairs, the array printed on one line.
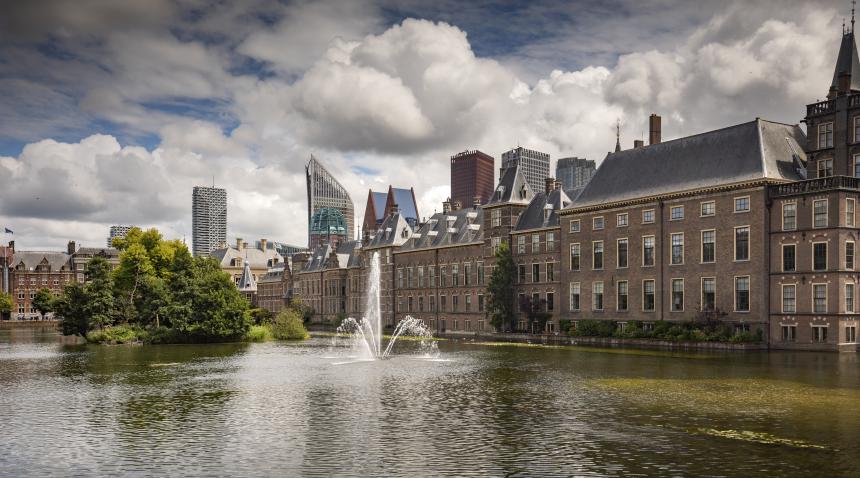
[[758, 149], [847, 61], [274, 274], [259, 259], [30, 259], [394, 231], [379, 200], [463, 226], [94, 251], [246, 281], [512, 188], [346, 253], [405, 202], [535, 217]]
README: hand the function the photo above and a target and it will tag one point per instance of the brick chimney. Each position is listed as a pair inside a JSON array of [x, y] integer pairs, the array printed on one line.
[[238, 243], [548, 185], [71, 248], [394, 209], [476, 202], [638, 143], [557, 185], [456, 205], [654, 129], [446, 206], [263, 244]]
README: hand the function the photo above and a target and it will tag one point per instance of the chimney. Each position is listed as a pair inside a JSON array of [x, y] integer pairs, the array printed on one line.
[[557, 184], [71, 248], [244, 245], [263, 244], [456, 205], [548, 184], [638, 143], [12, 246], [393, 210], [446, 206], [476, 202], [654, 129]]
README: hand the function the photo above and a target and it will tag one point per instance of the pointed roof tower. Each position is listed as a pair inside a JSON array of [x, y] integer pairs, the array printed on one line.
[[247, 282], [618, 135], [846, 75]]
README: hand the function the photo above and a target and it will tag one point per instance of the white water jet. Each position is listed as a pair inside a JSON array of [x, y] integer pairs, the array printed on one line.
[[365, 335]]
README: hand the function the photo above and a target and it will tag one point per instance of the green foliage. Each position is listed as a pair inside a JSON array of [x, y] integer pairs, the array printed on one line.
[[43, 301], [500, 290], [121, 334], [261, 316], [5, 303], [712, 331], [289, 325], [259, 333], [159, 289]]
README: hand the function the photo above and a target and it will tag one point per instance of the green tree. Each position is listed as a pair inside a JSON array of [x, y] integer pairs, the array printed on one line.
[[5, 304], [98, 293], [70, 308], [288, 325], [500, 290], [43, 301]]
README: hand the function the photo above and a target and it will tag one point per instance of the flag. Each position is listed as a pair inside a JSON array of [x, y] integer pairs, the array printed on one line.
[[8, 231]]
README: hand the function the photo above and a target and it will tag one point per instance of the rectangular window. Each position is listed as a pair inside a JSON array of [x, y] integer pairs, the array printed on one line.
[[597, 252], [575, 256], [819, 256], [789, 333], [550, 271], [850, 334], [647, 250], [849, 298], [432, 303], [819, 213], [819, 298], [535, 272], [857, 129], [522, 274], [709, 246], [742, 294], [742, 243], [574, 225], [443, 273], [432, 275], [707, 208], [789, 257], [742, 204], [420, 303], [597, 223], [521, 245], [825, 135], [621, 253], [825, 168], [597, 296], [621, 220], [676, 213], [647, 216], [550, 301], [709, 293], [410, 277], [535, 243], [789, 298], [789, 216], [574, 296], [849, 212], [857, 165], [455, 303], [621, 301], [421, 277], [819, 333], [677, 248], [550, 241], [455, 275], [467, 273], [849, 255], [480, 267], [496, 216], [399, 278], [495, 242], [677, 295], [648, 295], [480, 302], [409, 304]]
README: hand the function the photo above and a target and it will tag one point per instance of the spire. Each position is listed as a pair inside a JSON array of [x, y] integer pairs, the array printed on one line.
[[846, 75], [618, 135], [247, 282], [853, 3]]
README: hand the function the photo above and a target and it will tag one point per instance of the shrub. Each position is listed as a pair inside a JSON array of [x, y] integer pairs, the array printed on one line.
[[120, 334], [259, 333], [288, 325], [593, 328]]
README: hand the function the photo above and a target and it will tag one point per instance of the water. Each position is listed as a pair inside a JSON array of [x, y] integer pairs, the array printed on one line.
[[284, 409], [364, 336]]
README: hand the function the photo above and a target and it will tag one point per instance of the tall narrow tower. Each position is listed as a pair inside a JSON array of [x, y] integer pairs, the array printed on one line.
[[324, 191], [208, 219]]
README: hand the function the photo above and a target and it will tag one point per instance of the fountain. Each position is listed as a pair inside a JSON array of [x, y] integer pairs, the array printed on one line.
[[365, 335]]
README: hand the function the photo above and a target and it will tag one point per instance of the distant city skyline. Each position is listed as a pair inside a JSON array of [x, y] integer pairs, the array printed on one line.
[[208, 219]]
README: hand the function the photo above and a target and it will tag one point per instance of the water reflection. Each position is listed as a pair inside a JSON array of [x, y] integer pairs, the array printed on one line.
[[279, 409]]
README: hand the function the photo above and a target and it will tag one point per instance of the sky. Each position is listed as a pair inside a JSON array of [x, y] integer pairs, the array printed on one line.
[[111, 112]]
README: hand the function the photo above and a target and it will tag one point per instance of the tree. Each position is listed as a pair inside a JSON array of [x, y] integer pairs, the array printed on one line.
[[43, 302], [500, 290], [5, 304], [98, 293], [70, 308]]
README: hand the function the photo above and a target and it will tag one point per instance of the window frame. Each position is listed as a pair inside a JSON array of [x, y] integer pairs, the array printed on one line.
[[653, 250], [702, 246], [594, 223], [792, 285], [594, 255], [850, 212], [594, 296], [672, 236], [827, 134], [735, 241], [618, 296], [812, 291], [826, 254], [618, 253], [672, 294], [578, 296], [735, 204], [702, 208], [794, 260], [653, 294], [653, 216], [853, 256], [618, 221], [702, 291], [826, 213], [782, 219], [672, 209], [578, 224], [850, 285], [749, 294]]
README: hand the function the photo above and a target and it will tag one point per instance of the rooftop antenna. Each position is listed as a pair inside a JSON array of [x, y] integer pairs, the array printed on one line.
[[843, 25], [618, 135], [853, 3]]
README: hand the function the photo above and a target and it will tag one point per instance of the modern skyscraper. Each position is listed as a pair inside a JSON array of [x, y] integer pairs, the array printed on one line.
[[534, 166], [574, 174], [471, 176], [324, 191], [208, 219], [117, 231]]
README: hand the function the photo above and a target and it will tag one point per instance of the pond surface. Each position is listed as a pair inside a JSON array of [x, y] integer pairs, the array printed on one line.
[[283, 409]]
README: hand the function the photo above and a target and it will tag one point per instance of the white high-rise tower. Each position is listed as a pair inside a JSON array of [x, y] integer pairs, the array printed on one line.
[[208, 219]]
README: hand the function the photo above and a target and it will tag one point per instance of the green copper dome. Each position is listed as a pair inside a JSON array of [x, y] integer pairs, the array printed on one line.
[[328, 222]]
